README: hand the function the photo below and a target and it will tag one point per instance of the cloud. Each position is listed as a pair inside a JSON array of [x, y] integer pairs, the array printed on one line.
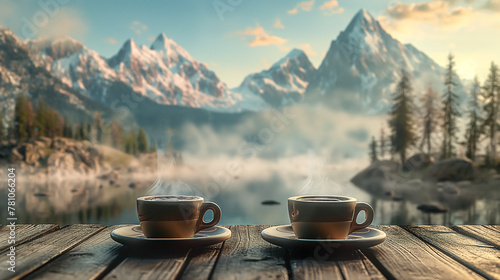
[[278, 24], [111, 40], [305, 6], [138, 27], [151, 38], [308, 50], [331, 7], [492, 5], [66, 22], [442, 13], [259, 37]]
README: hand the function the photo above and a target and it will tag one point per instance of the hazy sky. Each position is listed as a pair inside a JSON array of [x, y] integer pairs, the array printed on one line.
[[237, 37]]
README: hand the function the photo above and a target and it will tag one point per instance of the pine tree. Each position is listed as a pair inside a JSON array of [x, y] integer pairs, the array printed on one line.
[[382, 142], [67, 129], [473, 130], [430, 109], [131, 143], [491, 92], [117, 135], [88, 132], [401, 117], [21, 118], [80, 132], [41, 119], [142, 141], [450, 111], [53, 124], [3, 130], [373, 150], [98, 127], [31, 119]]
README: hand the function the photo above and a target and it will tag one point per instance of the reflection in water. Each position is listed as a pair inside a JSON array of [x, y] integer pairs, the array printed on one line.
[[99, 201]]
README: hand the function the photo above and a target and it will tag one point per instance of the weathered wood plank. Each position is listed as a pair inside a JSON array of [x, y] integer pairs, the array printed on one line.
[[247, 256], [476, 255], [486, 234], [24, 233], [404, 256], [36, 253], [201, 262], [356, 265], [304, 266], [147, 263], [89, 260], [325, 263]]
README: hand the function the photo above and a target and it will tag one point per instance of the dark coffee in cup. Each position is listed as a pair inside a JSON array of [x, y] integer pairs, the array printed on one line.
[[170, 216], [326, 216]]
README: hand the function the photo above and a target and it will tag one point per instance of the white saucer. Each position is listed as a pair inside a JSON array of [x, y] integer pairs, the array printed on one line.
[[283, 236], [133, 236]]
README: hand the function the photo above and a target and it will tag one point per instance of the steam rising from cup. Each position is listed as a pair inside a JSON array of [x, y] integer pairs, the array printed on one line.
[[166, 182], [317, 181]]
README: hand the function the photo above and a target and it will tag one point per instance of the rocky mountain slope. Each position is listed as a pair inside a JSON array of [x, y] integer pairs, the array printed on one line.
[[284, 83], [19, 74]]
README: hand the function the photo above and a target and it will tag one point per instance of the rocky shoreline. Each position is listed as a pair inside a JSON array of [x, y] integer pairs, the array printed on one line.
[[434, 186], [67, 159]]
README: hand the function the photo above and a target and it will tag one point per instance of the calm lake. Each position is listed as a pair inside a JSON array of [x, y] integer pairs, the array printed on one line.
[[108, 203]]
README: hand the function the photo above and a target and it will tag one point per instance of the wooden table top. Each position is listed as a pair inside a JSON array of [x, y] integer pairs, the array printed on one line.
[[410, 252]]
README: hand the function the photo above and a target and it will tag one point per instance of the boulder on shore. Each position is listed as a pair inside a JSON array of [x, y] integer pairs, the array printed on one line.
[[377, 177], [418, 162], [454, 169]]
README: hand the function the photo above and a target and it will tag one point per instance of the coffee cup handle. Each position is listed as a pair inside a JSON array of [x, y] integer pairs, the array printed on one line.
[[203, 209], [360, 206]]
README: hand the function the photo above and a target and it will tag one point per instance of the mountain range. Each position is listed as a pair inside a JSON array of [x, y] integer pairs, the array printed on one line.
[[358, 74]]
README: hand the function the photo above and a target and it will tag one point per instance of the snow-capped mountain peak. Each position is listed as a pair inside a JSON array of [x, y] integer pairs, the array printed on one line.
[[292, 55], [364, 18], [172, 52], [283, 83], [361, 68]]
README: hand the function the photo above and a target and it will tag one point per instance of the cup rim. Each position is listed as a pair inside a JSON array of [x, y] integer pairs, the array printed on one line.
[[145, 198], [346, 198]]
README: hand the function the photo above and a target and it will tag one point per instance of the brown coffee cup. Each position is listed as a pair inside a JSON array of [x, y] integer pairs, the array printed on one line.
[[326, 216], [174, 216]]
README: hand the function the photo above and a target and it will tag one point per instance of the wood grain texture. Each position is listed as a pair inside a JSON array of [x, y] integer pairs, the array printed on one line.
[[89, 260], [159, 263], [24, 233], [247, 256], [38, 252], [327, 263], [201, 262], [355, 265], [477, 255], [404, 256], [487, 234]]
